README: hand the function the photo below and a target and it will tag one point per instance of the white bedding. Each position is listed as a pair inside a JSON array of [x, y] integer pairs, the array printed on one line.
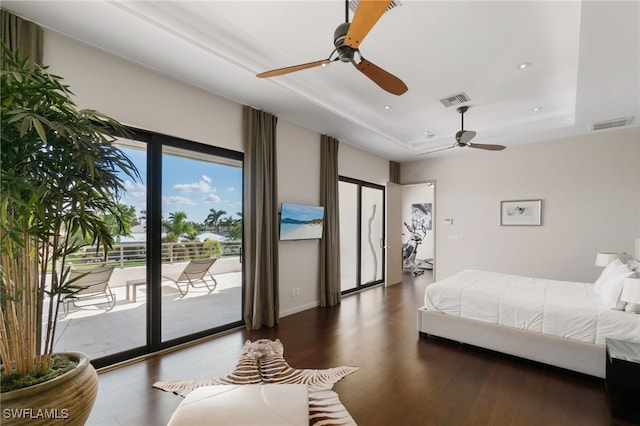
[[561, 308]]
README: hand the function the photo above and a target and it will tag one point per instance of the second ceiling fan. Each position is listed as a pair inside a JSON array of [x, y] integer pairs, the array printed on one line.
[[463, 137], [346, 39]]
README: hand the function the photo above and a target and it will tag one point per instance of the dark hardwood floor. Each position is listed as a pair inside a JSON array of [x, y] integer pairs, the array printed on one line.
[[403, 379]]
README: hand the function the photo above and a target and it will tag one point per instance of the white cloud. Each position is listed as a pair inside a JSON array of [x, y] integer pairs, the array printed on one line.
[[230, 189], [136, 191], [140, 192], [201, 186], [212, 197], [176, 200]]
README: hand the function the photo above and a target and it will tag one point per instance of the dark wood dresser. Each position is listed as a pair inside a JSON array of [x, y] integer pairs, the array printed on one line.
[[623, 379]]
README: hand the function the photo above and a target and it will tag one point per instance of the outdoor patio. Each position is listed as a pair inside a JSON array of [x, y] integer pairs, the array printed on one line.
[[98, 331]]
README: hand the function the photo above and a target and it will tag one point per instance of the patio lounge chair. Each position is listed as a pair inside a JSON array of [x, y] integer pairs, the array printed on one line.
[[93, 288], [196, 271]]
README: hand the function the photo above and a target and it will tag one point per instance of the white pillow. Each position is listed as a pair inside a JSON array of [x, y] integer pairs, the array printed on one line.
[[609, 285], [608, 270]]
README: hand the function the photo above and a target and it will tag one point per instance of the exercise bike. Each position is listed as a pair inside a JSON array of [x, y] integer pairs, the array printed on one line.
[[410, 250]]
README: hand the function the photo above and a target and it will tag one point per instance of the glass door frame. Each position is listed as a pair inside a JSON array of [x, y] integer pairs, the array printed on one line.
[[363, 184], [155, 143]]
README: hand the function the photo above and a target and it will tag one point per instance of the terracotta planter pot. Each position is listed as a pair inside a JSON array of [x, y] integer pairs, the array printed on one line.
[[65, 400]]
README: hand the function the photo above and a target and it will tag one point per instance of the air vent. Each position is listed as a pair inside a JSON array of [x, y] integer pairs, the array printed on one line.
[[610, 124], [353, 5], [456, 99]]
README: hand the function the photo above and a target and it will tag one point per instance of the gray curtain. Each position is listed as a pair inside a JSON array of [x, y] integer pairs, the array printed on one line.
[[330, 243], [394, 172], [261, 298], [22, 35]]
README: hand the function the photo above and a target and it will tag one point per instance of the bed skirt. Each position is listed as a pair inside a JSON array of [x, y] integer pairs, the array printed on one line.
[[586, 358]]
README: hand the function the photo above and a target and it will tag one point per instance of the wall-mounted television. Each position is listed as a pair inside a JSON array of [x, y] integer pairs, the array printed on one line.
[[301, 222]]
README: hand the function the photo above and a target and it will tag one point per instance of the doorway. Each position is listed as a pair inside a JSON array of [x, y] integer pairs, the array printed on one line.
[[418, 227]]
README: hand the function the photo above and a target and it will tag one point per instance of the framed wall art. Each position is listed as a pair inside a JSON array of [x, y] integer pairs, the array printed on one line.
[[421, 216], [521, 213]]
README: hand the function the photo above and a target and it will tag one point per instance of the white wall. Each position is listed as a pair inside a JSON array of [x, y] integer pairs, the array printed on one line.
[[140, 98], [298, 182], [394, 234], [589, 186], [362, 165]]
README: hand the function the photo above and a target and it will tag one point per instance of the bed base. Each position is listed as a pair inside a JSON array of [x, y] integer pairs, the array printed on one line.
[[586, 358]]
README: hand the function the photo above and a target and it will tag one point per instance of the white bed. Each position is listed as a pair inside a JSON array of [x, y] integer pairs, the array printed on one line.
[[559, 323]]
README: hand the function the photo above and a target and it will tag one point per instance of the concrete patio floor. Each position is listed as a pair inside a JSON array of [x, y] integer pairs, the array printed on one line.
[[97, 331]]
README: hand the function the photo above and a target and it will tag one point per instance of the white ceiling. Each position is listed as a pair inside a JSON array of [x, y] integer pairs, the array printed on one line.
[[585, 63]]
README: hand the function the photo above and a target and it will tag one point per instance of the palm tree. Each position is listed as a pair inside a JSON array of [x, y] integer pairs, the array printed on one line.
[[226, 222], [142, 219], [213, 219], [176, 226]]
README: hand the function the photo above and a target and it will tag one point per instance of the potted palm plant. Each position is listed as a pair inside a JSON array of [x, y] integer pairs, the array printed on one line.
[[61, 176]]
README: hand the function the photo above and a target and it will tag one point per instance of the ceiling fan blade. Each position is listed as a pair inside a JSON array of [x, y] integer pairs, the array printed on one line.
[[366, 16], [464, 136], [382, 78], [486, 146], [437, 150], [287, 70]]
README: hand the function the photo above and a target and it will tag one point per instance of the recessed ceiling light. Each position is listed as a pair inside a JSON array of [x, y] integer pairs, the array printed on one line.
[[387, 107], [524, 65], [428, 134], [536, 109]]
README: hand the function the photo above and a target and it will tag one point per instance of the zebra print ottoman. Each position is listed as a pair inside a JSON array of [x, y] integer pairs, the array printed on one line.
[[262, 362]]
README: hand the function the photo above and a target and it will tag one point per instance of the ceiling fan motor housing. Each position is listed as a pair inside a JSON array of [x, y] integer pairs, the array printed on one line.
[[346, 39], [345, 52], [463, 136]]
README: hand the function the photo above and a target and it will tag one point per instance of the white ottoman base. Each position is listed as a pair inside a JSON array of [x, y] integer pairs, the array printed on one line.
[[244, 405]]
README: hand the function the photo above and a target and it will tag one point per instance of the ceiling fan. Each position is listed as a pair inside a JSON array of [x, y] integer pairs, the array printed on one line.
[[463, 137], [347, 37]]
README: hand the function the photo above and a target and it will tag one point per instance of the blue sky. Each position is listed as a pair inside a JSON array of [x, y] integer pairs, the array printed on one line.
[[188, 185]]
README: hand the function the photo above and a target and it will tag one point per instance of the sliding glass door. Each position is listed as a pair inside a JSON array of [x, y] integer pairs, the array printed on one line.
[[112, 320], [185, 208], [201, 237], [362, 222]]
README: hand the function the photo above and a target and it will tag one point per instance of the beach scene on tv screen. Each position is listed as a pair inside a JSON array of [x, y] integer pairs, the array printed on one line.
[[301, 222]]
